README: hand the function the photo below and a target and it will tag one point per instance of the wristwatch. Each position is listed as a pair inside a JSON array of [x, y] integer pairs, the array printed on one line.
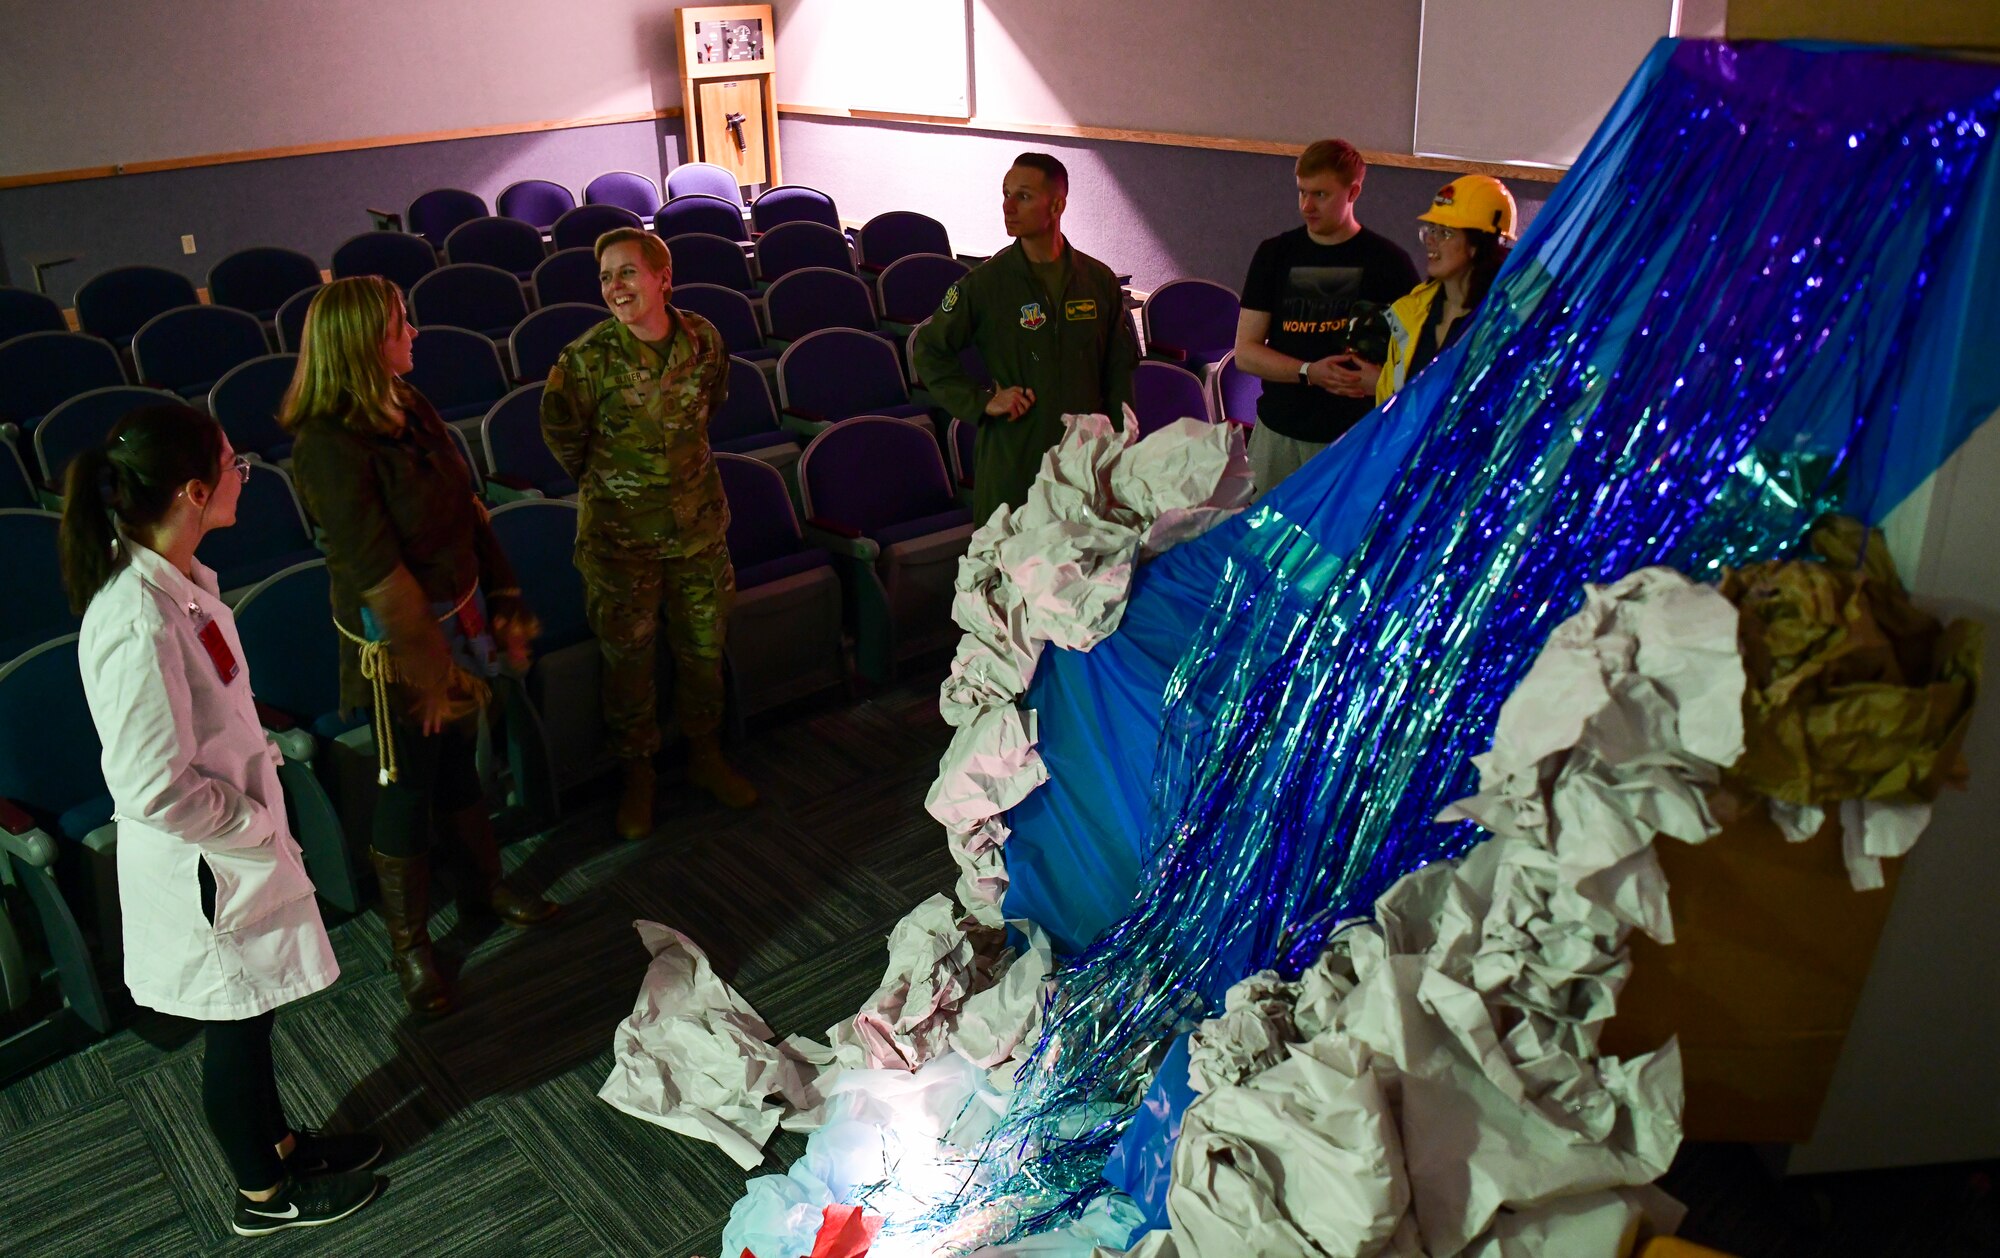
[[1304, 368]]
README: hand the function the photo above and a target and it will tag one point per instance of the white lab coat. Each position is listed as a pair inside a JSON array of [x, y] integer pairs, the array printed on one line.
[[193, 779]]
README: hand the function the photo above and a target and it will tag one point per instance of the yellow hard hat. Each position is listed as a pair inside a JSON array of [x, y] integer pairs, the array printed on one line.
[[1474, 202]]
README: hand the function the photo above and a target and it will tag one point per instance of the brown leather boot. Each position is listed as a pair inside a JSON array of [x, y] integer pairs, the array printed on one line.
[[405, 883], [635, 805], [472, 829], [708, 770]]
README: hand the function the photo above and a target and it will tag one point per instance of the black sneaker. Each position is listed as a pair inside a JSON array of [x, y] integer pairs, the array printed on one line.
[[331, 1153], [305, 1203]]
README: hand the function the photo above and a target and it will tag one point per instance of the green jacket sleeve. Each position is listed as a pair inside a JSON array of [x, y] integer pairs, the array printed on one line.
[[934, 356], [567, 420], [1120, 357]]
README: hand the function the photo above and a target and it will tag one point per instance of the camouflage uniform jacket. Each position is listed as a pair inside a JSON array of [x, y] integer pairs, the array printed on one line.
[[632, 429]]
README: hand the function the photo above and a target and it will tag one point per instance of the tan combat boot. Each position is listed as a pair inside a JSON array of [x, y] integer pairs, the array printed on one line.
[[635, 805], [708, 770]]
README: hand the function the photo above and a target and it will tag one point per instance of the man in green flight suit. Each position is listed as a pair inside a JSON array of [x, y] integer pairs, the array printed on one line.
[[1050, 324], [626, 413]]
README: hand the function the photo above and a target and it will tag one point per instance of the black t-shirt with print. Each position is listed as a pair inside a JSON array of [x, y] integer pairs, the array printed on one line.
[[1308, 290]]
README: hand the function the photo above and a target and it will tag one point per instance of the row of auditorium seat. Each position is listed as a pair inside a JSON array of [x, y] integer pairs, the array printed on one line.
[[872, 565]]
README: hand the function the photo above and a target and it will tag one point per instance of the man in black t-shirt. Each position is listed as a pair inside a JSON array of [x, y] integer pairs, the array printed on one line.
[[1297, 300]]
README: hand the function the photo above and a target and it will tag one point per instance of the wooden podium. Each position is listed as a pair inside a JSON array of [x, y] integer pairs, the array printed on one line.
[[729, 99]]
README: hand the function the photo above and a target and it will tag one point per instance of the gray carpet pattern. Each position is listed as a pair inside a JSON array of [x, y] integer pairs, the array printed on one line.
[[499, 1145]]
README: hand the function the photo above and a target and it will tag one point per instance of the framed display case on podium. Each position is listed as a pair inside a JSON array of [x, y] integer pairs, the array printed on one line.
[[728, 89]]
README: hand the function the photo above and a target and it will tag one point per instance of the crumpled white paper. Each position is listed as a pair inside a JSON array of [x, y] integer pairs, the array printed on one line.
[[1058, 570], [948, 985], [1871, 831], [1474, 1001], [695, 1058]]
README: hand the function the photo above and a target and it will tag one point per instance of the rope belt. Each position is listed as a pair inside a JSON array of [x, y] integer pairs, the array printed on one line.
[[378, 669]]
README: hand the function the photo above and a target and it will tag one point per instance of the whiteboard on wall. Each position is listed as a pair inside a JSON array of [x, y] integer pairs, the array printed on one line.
[[1527, 81], [881, 56]]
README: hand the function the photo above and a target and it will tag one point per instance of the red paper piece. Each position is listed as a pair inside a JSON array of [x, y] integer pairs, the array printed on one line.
[[846, 1232]]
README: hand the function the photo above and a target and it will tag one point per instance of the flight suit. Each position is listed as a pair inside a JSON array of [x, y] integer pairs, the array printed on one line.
[[1074, 349], [631, 426]]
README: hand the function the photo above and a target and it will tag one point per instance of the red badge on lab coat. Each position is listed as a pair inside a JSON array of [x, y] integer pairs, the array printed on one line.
[[218, 650]]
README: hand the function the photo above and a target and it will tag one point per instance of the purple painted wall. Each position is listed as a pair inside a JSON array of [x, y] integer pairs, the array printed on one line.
[[306, 203], [1148, 210], [1153, 211]]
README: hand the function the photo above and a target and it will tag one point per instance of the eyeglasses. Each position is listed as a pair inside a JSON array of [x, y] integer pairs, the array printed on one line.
[[1435, 234], [242, 465]]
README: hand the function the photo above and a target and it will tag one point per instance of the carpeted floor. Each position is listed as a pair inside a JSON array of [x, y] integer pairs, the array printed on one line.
[[499, 1144]]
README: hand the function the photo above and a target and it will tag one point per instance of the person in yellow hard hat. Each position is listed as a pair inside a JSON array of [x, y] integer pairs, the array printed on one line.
[[1466, 234]]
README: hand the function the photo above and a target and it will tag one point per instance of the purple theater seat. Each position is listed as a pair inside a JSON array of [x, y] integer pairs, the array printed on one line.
[[458, 372], [625, 189], [1165, 392], [1192, 322], [704, 178], [837, 373], [793, 203], [536, 202], [580, 228], [39, 371], [898, 234], [731, 313], [534, 345], [434, 214], [795, 246], [511, 438], [84, 421], [568, 275], [188, 349], [246, 402], [912, 286], [876, 492], [1235, 392], [399, 257], [485, 299], [806, 300], [261, 279], [698, 214], [784, 630], [704, 258], [747, 422], [507, 243], [23, 310], [116, 303]]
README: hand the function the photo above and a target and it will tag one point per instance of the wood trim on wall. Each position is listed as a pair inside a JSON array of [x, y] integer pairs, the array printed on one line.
[[1176, 139], [1125, 135], [327, 146]]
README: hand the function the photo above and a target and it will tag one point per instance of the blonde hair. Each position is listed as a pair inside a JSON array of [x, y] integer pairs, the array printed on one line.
[[341, 372], [651, 247]]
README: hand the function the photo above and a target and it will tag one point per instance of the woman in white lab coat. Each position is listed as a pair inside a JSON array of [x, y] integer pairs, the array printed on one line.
[[220, 923]]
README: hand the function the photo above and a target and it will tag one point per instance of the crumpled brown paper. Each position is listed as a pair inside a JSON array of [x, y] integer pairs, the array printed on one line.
[[1855, 692]]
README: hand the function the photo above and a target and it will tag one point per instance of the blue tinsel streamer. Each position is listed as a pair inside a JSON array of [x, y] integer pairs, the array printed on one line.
[[1673, 374]]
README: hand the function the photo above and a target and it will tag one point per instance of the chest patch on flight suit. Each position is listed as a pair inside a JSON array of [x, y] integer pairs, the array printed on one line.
[[1032, 316], [1080, 311]]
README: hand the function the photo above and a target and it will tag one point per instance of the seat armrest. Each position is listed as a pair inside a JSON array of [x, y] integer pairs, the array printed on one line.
[[811, 417], [1168, 353], [23, 839], [511, 482], [296, 745], [274, 719], [841, 539]]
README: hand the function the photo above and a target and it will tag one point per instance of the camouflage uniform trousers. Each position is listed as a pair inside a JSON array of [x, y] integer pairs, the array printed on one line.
[[626, 597]]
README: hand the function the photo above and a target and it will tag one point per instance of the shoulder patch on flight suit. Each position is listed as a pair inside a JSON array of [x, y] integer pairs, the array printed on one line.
[[1080, 311], [950, 299], [1032, 316]]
